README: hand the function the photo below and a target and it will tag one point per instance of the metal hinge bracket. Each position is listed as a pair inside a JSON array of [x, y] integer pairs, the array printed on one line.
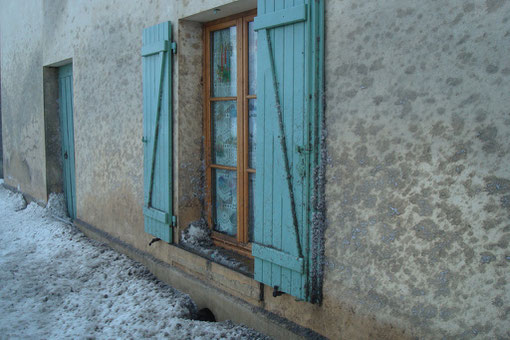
[[173, 46], [302, 149]]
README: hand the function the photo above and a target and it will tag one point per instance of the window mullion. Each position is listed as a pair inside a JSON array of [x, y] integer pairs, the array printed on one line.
[[240, 133], [207, 124]]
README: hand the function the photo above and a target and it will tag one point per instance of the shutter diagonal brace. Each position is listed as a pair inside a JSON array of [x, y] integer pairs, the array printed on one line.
[[283, 144], [156, 127]]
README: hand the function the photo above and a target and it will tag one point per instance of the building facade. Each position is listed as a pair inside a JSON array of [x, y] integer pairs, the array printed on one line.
[[383, 213]]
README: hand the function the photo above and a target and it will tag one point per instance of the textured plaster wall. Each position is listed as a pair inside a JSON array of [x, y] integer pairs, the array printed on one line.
[[1, 144], [418, 180], [103, 38], [108, 111], [418, 126], [53, 147], [22, 96], [189, 124]]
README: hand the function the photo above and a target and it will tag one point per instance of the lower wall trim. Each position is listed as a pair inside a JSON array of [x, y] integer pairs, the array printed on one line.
[[239, 311]]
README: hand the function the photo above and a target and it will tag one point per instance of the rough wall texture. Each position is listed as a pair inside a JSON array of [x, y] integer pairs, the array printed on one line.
[[23, 124], [103, 38], [53, 147], [108, 122], [418, 187], [189, 126], [1, 144], [418, 126]]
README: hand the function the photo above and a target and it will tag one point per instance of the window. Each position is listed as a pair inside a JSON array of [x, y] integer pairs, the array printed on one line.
[[230, 129], [278, 82]]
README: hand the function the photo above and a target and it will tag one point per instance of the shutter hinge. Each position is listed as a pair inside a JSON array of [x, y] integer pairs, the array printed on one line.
[[302, 149], [173, 46], [155, 239], [174, 221], [277, 292]]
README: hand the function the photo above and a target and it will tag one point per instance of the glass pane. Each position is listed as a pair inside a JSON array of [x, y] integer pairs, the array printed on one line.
[[224, 132], [252, 132], [251, 206], [223, 63], [224, 201], [252, 59]]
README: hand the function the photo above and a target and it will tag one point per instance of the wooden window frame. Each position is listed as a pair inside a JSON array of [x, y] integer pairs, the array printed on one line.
[[239, 244]]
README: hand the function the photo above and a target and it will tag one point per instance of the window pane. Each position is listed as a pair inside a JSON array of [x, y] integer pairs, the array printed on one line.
[[252, 132], [252, 59], [224, 201], [251, 206], [224, 132], [223, 63]]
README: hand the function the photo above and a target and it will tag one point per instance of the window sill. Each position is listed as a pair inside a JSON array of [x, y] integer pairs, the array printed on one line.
[[230, 243], [223, 257]]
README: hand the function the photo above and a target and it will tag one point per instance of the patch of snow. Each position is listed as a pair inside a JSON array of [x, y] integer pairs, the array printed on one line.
[[59, 284], [57, 206], [198, 237], [198, 234], [18, 201]]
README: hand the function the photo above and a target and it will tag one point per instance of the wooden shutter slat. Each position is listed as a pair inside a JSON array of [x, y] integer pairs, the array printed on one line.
[[280, 258], [156, 214], [283, 144], [67, 133], [280, 18], [155, 133], [157, 47], [157, 128], [283, 183]]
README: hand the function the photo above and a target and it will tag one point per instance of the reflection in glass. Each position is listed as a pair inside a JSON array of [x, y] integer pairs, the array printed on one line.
[[223, 63], [252, 59], [252, 132], [251, 206], [224, 201], [224, 132]]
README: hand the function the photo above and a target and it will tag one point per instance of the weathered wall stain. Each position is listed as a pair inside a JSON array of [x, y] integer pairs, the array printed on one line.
[[418, 208], [417, 115], [189, 118], [23, 132]]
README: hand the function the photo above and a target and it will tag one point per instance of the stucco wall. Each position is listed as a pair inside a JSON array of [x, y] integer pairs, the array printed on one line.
[[1, 144], [418, 186], [418, 192], [103, 39], [22, 97]]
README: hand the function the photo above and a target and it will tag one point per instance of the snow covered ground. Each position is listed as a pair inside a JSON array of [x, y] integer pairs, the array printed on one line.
[[57, 283]]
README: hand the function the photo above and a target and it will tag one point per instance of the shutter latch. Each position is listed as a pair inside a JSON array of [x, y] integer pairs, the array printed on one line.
[[173, 46]]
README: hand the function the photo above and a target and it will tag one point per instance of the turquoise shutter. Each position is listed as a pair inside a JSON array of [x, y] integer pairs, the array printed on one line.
[[285, 140], [157, 130], [65, 83]]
